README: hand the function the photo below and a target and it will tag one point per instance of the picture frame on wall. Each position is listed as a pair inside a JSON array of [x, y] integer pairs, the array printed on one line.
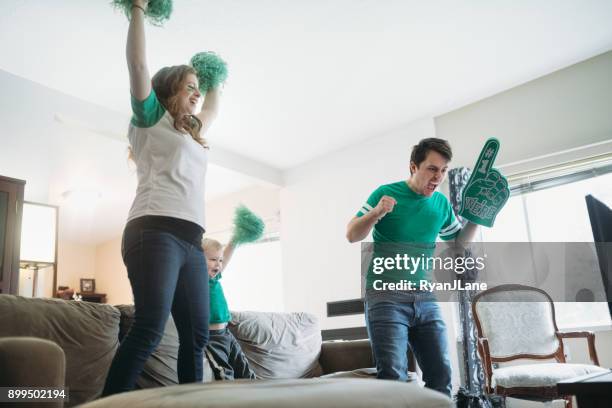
[[88, 285]]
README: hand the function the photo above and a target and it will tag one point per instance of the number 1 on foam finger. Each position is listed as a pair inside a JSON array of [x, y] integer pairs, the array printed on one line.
[[487, 156]]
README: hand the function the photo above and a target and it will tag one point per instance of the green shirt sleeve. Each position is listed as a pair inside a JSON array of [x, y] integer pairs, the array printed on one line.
[[371, 202], [148, 112], [451, 227]]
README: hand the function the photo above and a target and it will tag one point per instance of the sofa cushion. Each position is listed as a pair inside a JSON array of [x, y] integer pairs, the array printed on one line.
[[86, 332], [279, 345], [367, 373], [320, 393], [357, 373], [540, 375]]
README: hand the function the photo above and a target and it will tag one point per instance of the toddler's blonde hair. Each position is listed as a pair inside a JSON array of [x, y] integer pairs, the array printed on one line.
[[209, 244]]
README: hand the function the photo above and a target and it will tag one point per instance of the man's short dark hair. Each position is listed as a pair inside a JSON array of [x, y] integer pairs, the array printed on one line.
[[419, 151]]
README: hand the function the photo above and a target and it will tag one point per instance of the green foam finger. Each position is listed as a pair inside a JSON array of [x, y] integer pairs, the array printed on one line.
[[487, 189], [487, 157]]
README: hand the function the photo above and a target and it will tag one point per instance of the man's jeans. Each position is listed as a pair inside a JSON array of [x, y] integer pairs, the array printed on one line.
[[394, 326], [168, 275]]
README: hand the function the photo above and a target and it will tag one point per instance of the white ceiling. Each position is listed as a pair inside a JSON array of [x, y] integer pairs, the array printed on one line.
[[309, 77], [306, 77]]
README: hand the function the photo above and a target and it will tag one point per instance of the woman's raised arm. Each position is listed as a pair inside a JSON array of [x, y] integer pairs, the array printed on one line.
[[135, 51]]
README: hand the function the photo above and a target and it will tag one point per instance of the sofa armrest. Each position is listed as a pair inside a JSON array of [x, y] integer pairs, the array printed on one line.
[[345, 355], [32, 362]]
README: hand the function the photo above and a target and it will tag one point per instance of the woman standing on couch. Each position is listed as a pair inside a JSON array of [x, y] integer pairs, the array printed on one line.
[[161, 244]]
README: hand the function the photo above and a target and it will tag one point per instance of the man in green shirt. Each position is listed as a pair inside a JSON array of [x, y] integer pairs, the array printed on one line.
[[408, 216]]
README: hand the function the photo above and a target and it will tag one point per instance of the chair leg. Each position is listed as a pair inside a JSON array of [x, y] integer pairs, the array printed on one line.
[[497, 401]]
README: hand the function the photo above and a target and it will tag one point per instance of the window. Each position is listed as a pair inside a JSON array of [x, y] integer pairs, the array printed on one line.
[[253, 278], [553, 209]]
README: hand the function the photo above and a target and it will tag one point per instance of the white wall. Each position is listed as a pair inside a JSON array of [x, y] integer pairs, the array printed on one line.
[[75, 261], [111, 274], [253, 280], [566, 109], [32, 139], [263, 200]]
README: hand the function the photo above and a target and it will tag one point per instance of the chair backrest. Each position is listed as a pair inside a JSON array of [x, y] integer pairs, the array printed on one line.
[[518, 322]]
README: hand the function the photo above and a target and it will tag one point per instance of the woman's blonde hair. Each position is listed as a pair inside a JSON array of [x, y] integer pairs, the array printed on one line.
[[167, 83], [209, 244]]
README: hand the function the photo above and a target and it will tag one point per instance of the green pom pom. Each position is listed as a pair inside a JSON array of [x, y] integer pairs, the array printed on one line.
[[158, 11], [248, 227], [211, 70]]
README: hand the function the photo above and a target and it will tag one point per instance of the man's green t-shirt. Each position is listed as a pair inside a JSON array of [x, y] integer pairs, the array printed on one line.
[[411, 228]]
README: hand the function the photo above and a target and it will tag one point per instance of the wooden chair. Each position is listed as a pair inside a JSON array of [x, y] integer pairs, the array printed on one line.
[[517, 322]]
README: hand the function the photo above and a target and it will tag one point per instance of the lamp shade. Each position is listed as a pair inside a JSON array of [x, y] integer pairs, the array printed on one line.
[[38, 233]]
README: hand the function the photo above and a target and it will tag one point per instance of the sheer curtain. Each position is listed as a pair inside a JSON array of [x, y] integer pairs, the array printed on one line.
[[472, 394]]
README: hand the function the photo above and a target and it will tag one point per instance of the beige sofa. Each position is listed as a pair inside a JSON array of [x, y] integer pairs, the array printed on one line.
[[52, 342]]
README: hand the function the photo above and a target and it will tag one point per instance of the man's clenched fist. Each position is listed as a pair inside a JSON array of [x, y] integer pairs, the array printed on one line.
[[385, 206]]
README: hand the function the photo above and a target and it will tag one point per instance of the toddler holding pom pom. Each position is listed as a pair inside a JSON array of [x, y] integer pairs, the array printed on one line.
[[229, 360]]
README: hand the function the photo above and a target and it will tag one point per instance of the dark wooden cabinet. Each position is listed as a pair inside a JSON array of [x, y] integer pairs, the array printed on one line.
[[11, 209]]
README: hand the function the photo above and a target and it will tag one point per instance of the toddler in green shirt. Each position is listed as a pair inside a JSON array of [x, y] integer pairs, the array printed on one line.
[[229, 359]]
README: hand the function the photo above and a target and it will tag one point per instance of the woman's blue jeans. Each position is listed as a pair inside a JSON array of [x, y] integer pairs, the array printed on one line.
[[394, 326], [168, 275]]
